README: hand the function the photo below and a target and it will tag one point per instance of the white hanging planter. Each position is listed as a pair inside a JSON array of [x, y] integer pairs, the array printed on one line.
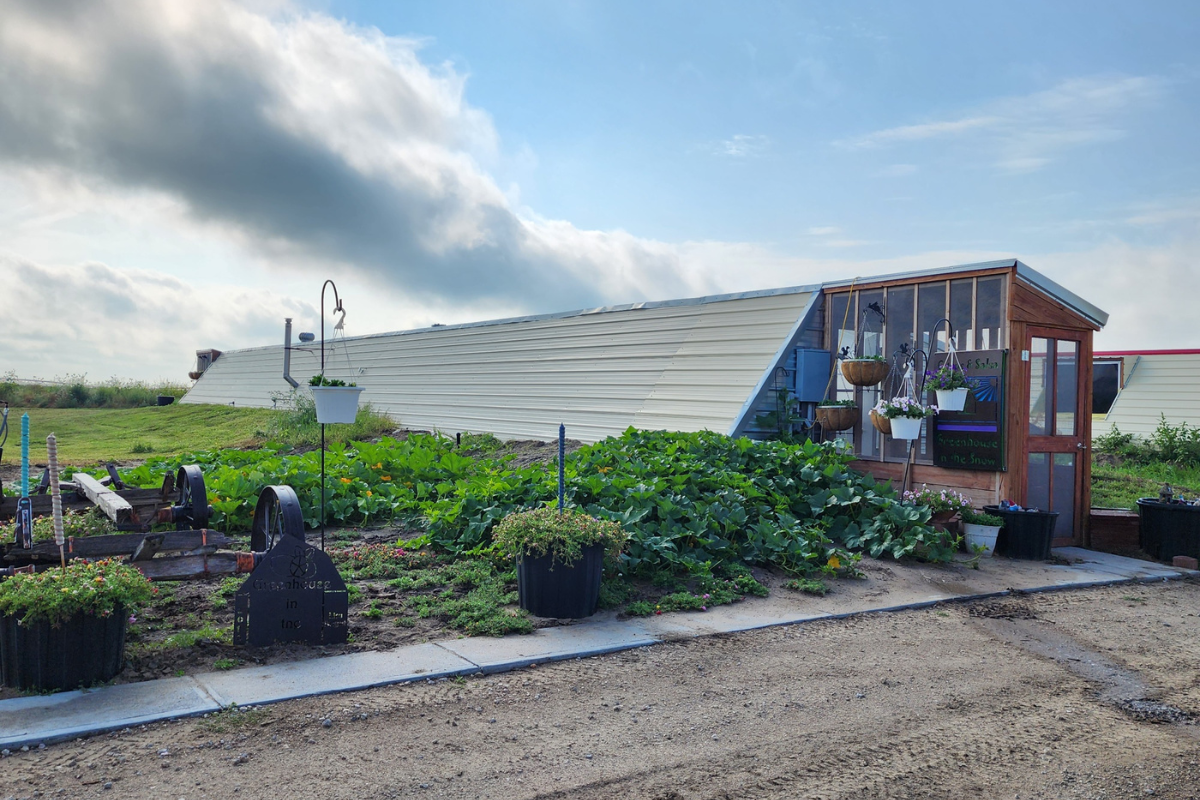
[[952, 399], [336, 403], [981, 535], [906, 427]]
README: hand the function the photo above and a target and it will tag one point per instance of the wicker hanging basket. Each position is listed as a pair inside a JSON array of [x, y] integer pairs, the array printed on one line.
[[881, 423], [864, 371], [837, 418]]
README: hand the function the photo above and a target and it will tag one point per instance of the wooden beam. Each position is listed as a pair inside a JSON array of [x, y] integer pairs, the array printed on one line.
[[147, 547], [182, 568], [121, 544], [114, 506]]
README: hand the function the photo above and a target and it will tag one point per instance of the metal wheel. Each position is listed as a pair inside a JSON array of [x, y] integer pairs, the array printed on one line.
[[191, 499], [276, 514]]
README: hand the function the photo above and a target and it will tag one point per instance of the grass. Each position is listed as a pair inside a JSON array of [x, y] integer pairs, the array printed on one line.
[[90, 435], [1120, 486]]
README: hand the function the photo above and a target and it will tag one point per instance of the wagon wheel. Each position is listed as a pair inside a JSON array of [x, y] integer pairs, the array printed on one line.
[[191, 499], [276, 514]]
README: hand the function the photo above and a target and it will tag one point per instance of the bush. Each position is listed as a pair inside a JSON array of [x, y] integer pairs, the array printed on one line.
[[75, 392], [97, 588], [1169, 444]]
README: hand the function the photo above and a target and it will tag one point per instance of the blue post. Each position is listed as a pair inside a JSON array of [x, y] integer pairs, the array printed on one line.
[[24, 455], [562, 449]]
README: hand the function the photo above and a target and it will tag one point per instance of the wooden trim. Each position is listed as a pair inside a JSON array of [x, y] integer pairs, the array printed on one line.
[[949, 276], [1031, 305]]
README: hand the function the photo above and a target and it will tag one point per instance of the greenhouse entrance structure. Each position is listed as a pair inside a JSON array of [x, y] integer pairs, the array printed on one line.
[[725, 362]]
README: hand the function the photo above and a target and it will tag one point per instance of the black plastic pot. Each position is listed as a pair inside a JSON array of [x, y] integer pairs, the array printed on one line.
[[1026, 534], [166, 399], [80, 651], [1169, 529], [549, 588]]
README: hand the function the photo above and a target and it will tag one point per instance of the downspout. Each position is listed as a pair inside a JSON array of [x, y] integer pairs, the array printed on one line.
[[287, 353]]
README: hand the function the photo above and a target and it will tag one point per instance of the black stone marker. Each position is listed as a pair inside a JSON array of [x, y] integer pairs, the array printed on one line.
[[295, 594]]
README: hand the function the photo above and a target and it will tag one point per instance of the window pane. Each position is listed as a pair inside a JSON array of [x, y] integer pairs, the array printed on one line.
[[872, 440], [900, 316], [1106, 382], [1066, 377], [1037, 490], [871, 337], [1039, 394], [962, 306], [1063, 500], [989, 313], [931, 306]]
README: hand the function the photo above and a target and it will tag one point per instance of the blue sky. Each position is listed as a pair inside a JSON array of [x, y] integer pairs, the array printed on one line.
[[181, 176]]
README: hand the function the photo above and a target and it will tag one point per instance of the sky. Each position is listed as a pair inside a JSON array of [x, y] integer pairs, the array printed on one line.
[[182, 176]]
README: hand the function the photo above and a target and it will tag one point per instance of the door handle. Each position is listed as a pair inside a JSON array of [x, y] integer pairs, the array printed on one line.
[[1081, 446]]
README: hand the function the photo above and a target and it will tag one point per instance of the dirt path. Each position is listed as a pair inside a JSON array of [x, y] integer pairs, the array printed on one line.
[[1087, 694]]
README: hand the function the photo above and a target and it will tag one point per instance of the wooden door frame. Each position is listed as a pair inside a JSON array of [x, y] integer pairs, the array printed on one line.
[[1080, 443]]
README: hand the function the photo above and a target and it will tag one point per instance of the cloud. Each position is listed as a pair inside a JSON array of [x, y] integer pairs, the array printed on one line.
[[1025, 133], [741, 145], [312, 143], [96, 320]]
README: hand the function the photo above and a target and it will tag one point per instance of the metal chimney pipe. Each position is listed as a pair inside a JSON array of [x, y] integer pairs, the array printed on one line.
[[287, 353]]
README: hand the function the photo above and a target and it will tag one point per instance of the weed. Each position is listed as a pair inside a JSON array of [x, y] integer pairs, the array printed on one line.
[[459, 680], [405, 622], [353, 593], [226, 663], [1132, 598], [141, 447], [374, 611], [233, 718], [808, 586]]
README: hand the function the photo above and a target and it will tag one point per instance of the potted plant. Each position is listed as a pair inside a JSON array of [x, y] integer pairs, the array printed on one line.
[[905, 416], [944, 505], [560, 558], [335, 400], [981, 529], [865, 370], [881, 423], [951, 384], [65, 627], [1169, 525], [1028, 532], [837, 415]]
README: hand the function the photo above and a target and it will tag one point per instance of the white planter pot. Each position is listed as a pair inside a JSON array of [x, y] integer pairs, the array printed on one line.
[[336, 403], [952, 399], [984, 535], [906, 427]]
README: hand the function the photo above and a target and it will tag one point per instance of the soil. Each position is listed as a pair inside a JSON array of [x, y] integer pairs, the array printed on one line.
[[1092, 693]]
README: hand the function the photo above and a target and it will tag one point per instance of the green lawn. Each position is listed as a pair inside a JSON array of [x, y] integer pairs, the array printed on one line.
[[1121, 486], [88, 436]]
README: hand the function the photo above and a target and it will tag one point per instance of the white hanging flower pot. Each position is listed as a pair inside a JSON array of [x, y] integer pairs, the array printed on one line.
[[906, 427], [336, 403], [952, 399]]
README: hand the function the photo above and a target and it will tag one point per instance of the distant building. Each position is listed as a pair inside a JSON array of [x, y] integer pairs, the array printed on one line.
[[1133, 390]]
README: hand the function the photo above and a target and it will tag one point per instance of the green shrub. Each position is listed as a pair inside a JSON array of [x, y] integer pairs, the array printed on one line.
[[563, 535], [97, 588]]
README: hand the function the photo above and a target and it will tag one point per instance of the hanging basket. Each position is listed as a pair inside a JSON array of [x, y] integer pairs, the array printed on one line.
[[864, 371], [336, 403], [906, 427], [837, 418], [881, 423], [952, 399]]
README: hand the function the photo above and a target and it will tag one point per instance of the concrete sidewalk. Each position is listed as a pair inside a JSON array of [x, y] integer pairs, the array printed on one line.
[[888, 587]]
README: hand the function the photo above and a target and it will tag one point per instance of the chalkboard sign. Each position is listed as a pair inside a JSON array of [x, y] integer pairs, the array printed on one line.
[[295, 594], [974, 437]]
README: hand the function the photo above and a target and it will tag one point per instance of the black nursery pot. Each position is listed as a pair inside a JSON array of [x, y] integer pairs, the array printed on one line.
[[1169, 529], [1026, 534], [80, 651], [549, 588]]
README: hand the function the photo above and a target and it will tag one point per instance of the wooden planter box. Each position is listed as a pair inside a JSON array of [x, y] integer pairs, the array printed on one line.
[[1114, 530]]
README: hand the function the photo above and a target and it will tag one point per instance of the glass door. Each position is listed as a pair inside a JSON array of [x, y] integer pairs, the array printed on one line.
[[1054, 469]]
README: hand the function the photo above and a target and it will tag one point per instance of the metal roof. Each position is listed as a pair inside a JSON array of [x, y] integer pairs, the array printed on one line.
[[1024, 271]]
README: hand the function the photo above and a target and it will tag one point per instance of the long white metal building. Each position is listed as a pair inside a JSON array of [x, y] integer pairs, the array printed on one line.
[[1134, 390], [684, 365]]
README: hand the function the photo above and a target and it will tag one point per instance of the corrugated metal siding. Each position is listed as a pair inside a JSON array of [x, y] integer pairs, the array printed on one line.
[[681, 366], [1158, 385]]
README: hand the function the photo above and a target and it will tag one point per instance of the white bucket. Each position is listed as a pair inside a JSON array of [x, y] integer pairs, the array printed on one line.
[[906, 427], [336, 403], [952, 399], [981, 535]]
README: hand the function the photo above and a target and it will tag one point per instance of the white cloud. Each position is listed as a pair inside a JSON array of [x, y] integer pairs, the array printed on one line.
[[310, 143], [1022, 134], [741, 145]]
